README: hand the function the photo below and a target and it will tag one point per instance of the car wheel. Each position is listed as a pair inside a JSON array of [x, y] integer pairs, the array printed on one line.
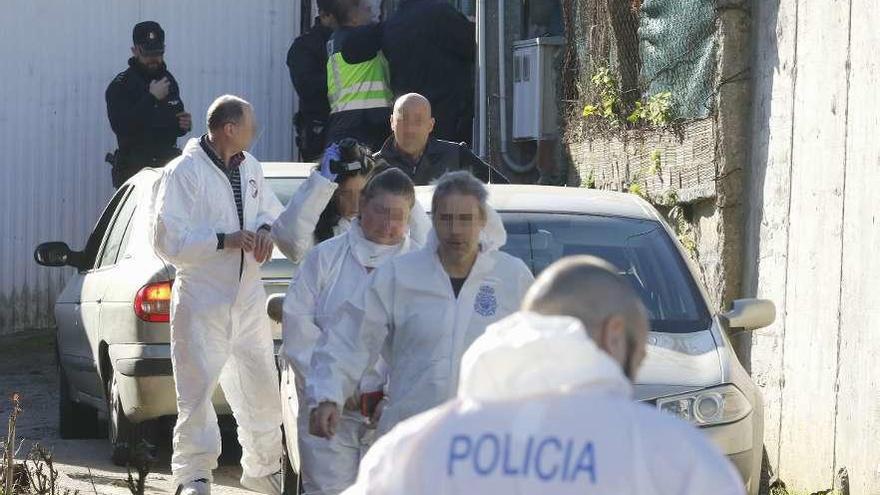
[[125, 437], [764, 480], [75, 420]]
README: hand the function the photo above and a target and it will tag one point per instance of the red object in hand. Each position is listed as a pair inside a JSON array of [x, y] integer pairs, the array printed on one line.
[[369, 401]]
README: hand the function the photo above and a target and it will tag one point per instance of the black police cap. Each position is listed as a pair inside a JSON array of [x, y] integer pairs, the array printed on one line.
[[149, 36]]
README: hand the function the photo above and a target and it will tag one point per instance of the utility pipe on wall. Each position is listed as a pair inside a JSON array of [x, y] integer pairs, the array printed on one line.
[[508, 160], [481, 70]]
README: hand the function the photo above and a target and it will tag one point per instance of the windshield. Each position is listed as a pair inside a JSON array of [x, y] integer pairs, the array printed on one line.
[[640, 249]]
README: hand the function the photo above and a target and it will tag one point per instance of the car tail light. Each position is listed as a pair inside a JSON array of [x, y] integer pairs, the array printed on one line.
[[153, 302]]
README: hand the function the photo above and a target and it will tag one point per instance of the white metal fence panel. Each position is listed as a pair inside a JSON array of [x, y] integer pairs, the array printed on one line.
[[58, 58]]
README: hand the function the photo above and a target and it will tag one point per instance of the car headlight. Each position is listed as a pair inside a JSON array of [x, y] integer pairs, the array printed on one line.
[[712, 406]]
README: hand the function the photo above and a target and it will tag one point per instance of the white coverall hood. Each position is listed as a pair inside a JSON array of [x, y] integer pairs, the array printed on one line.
[[507, 361], [492, 238], [543, 417]]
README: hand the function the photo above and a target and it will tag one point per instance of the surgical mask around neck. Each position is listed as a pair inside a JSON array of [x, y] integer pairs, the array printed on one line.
[[369, 253]]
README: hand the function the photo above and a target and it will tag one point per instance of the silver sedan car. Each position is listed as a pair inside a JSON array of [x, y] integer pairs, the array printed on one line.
[[690, 370], [113, 338]]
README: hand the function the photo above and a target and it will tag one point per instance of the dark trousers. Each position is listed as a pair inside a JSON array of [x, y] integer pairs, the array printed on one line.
[[370, 127], [311, 136], [126, 166]]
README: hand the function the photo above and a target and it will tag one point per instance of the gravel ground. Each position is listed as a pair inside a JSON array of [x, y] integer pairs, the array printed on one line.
[[27, 367]]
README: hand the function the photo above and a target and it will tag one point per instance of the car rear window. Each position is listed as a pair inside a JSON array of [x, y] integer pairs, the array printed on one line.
[[284, 187], [641, 250]]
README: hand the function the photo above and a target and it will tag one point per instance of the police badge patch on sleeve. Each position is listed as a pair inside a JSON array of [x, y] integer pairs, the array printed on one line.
[[486, 304]]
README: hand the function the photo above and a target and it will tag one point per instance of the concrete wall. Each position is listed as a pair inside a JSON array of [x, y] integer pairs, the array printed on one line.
[[813, 237]]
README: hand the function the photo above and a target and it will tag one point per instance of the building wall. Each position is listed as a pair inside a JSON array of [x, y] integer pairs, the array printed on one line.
[[812, 238], [58, 59]]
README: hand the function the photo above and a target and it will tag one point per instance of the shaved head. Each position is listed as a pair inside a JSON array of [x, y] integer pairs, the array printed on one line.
[[591, 290], [412, 124], [412, 101], [584, 287]]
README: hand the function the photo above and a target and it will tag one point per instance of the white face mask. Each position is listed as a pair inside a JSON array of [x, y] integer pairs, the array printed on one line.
[[368, 253]]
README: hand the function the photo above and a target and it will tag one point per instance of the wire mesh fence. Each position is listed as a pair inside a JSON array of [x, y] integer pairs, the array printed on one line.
[[637, 63]]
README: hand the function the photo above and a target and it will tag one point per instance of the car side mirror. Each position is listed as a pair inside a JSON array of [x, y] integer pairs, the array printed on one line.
[[275, 307], [751, 314], [53, 254]]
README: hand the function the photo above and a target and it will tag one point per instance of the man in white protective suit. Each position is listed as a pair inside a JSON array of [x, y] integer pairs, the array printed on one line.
[[331, 273], [421, 310], [212, 218], [545, 406]]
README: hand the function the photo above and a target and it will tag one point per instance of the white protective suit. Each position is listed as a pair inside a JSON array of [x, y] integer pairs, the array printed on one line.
[[410, 314], [541, 409], [294, 230], [219, 327], [331, 273]]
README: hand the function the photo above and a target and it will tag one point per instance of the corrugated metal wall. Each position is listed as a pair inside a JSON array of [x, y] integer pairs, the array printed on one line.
[[58, 57]]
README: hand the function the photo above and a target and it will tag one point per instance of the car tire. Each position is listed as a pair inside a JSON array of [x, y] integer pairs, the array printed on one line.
[[764, 480], [75, 420], [125, 436], [291, 484]]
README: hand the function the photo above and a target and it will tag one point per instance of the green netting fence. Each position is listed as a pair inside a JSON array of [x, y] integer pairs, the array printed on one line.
[[650, 47]]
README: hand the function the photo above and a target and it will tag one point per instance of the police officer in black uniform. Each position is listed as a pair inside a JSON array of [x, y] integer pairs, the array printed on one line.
[[307, 61], [144, 107]]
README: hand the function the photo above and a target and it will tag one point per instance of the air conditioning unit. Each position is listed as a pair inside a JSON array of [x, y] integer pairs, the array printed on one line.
[[534, 88]]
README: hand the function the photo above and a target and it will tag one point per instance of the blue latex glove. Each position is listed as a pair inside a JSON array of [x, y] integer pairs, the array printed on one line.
[[330, 154]]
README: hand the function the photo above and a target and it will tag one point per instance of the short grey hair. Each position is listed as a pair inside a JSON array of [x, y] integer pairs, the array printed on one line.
[[587, 288], [226, 109], [460, 182]]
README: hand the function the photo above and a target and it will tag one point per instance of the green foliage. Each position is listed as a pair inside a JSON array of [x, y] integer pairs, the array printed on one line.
[[590, 110], [656, 167], [669, 199], [638, 190], [656, 111], [590, 182], [609, 96], [683, 230]]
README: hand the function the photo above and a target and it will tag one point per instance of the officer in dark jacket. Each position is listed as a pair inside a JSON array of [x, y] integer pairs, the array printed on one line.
[[424, 158], [307, 61], [144, 107], [431, 50]]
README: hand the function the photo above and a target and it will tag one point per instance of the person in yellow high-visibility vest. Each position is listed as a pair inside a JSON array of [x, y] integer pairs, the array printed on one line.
[[360, 93]]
